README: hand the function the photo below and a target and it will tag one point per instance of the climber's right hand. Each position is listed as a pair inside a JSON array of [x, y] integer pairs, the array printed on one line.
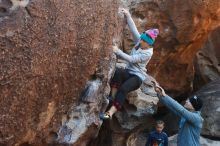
[[115, 48], [125, 12]]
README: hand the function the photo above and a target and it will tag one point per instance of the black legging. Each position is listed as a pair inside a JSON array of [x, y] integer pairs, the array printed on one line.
[[125, 83]]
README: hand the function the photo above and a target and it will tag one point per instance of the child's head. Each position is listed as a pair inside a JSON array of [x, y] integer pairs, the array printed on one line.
[[159, 126]]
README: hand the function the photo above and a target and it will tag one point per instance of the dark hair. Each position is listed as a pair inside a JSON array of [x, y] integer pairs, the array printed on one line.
[[196, 102], [137, 46], [158, 122]]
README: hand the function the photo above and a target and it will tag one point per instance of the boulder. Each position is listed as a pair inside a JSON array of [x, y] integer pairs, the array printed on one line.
[[207, 61], [210, 95], [203, 141], [50, 52]]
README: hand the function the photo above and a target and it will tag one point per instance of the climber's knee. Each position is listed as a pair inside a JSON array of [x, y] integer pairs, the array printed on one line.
[[117, 105]]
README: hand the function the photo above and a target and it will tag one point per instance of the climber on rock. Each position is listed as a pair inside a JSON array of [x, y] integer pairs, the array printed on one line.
[[131, 78], [191, 121], [158, 137]]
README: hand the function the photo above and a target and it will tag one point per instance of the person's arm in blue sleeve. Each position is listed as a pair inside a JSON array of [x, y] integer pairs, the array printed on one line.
[[168, 105], [176, 107], [148, 141], [166, 141], [179, 109]]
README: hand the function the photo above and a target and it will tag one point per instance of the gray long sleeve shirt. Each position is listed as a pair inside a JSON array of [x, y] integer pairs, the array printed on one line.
[[138, 58]]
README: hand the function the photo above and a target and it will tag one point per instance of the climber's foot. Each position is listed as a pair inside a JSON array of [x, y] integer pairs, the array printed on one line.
[[105, 116]]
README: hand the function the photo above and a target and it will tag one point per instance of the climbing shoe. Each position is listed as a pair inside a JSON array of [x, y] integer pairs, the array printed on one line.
[[105, 116], [110, 100]]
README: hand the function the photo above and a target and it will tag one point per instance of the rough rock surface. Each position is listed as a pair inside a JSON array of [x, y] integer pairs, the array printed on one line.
[[48, 52], [203, 141], [210, 94], [207, 62], [184, 27]]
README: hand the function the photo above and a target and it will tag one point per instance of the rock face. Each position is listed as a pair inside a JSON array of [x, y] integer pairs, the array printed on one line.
[[203, 141], [48, 52], [207, 62], [211, 108], [184, 27]]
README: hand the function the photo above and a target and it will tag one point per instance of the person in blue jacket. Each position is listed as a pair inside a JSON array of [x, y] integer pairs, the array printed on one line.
[[191, 120], [158, 137]]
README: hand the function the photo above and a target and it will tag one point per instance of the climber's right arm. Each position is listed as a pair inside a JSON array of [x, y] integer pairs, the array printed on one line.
[[131, 25]]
